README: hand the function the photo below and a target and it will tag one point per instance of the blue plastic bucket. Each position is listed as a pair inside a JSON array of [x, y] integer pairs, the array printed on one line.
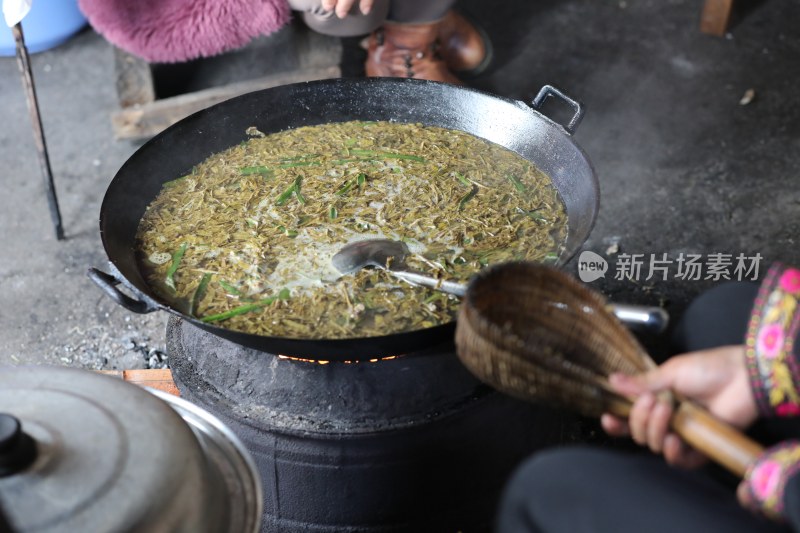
[[49, 23]]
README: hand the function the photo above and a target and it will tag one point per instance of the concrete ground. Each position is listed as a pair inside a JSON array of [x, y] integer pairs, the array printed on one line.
[[685, 165]]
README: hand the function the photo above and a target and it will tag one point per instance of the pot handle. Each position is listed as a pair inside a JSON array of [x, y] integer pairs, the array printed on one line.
[[549, 90], [108, 283]]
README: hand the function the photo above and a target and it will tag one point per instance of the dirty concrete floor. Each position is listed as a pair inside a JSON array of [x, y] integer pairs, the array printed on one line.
[[684, 166]]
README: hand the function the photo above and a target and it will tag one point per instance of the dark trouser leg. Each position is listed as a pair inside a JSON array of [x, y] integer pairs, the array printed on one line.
[[718, 317], [582, 489], [418, 11]]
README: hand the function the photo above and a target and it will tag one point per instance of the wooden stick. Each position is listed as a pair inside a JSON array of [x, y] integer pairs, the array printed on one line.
[[716, 16], [23, 61], [714, 438]]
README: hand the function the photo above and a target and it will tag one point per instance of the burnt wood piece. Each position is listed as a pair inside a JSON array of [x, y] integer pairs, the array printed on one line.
[[716, 17], [160, 379]]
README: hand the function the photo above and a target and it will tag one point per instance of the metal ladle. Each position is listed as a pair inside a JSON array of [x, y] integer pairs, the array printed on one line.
[[390, 256]]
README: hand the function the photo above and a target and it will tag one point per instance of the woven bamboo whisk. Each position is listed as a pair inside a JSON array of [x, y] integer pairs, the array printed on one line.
[[536, 333]]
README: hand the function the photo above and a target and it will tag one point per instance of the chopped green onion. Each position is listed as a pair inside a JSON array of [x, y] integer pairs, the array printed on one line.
[[294, 188], [298, 158], [533, 213], [200, 293], [517, 184], [300, 164], [242, 309], [285, 294], [285, 195], [386, 155], [467, 197], [360, 179], [345, 188], [464, 181], [172, 183], [247, 171], [433, 297], [230, 289], [333, 213], [169, 281], [288, 232], [300, 198]]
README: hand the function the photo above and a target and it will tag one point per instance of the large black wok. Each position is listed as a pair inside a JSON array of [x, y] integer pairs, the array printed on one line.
[[510, 123]]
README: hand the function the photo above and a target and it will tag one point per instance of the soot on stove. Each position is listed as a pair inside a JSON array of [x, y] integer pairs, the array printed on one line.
[[410, 443]]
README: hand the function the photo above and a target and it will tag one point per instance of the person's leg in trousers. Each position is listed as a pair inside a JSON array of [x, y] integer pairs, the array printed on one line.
[[718, 317], [587, 489]]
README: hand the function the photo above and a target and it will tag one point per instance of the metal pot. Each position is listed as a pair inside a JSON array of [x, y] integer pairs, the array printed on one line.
[[81, 451], [513, 124]]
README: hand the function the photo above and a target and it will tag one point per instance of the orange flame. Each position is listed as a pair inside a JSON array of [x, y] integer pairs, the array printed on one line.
[[324, 362]]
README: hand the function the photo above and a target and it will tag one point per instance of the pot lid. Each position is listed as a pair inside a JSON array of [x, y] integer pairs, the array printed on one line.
[[81, 451]]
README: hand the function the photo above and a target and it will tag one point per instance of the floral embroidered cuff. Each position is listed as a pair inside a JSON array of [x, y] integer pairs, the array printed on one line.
[[767, 478], [771, 363]]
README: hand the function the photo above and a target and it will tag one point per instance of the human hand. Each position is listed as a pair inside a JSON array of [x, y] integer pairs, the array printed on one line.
[[716, 379], [343, 7]]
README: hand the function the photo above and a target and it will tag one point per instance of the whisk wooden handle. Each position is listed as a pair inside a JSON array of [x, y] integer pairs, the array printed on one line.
[[714, 438]]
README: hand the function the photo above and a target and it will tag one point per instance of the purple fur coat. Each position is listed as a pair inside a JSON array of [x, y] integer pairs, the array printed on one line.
[[167, 31]]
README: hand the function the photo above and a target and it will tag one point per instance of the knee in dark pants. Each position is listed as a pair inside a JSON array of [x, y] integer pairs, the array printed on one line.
[[544, 486], [718, 317]]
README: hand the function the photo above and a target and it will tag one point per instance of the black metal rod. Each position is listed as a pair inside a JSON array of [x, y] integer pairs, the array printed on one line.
[[23, 61]]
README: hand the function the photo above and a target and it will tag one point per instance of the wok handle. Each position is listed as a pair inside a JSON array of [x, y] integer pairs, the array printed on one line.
[[549, 90], [108, 284], [641, 317], [714, 438]]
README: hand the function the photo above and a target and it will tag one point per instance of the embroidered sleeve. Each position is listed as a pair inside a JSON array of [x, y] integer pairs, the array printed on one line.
[[768, 477], [771, 362]]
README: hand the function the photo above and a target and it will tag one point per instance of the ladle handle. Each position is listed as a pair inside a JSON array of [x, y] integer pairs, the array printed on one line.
[[636, 317], [714, 438], [417, 278]]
